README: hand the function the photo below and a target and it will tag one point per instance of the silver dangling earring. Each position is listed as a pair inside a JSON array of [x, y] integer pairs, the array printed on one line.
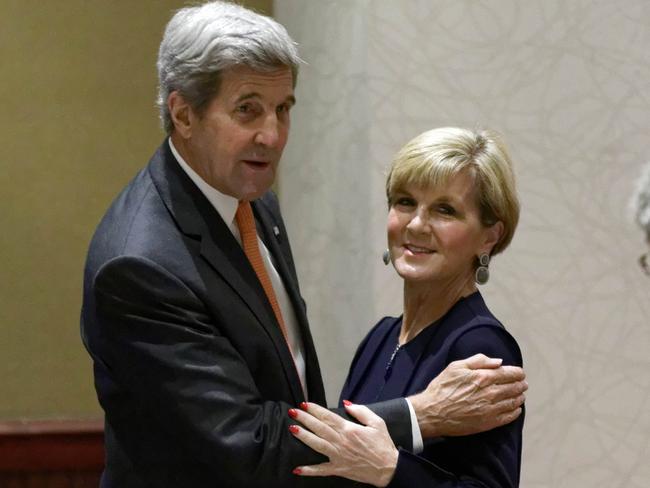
[[386, 257], [482, 274]]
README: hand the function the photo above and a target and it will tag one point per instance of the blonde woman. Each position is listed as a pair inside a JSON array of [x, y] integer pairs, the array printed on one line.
[[452, 208]]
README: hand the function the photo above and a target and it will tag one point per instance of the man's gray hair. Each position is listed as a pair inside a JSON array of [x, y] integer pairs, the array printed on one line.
[[641, 200], [201, 42]]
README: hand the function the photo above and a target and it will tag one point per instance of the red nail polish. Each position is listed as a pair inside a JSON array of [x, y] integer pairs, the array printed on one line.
[[293, 413], [304, 406], [294, 429], [347, 403], [297, 471]]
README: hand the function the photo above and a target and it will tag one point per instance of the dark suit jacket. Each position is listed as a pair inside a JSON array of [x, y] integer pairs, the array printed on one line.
[[490, 459], [190, 365]]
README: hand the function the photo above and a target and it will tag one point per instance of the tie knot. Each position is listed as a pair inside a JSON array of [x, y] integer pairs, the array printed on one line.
[[245, 219]]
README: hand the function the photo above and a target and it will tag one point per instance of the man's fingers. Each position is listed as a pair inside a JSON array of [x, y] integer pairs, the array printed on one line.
[[509, 374], [507, 391], [508, 404], [499, 420], [504, 375], [507, 412], [506, 418], [479, 361]]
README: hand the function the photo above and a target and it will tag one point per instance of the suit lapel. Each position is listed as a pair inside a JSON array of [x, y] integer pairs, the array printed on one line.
[[241, 277], [274, 238], [196, 217]]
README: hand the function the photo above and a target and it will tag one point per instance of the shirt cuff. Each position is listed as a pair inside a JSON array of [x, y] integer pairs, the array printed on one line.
[[418, 445]]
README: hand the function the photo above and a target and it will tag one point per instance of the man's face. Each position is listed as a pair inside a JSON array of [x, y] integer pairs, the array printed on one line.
[[236, 145]]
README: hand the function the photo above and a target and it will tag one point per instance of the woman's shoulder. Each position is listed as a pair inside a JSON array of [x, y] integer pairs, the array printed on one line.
[[489, 339], [477, 330]]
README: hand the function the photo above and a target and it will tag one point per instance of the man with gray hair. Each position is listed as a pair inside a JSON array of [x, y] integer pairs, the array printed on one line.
[[191, 309]]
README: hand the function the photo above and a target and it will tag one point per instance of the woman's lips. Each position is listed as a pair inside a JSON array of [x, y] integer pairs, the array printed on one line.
[[417, 250]]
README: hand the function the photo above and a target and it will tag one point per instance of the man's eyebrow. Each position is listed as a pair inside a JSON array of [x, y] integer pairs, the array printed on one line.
[[247, 96]]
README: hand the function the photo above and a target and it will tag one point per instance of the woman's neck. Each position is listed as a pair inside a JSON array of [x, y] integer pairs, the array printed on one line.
[[424, 303]]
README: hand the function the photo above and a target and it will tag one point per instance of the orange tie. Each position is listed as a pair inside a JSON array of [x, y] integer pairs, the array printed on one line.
[[246, 223]]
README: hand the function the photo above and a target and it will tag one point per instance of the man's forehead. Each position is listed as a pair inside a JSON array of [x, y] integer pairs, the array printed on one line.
[[243, 80]]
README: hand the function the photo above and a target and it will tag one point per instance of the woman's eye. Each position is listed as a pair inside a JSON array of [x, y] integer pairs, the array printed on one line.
[[446, 209], [404, 201], [244, 109]]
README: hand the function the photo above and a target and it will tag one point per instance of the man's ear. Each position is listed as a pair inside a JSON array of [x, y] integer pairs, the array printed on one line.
[[492, 236], [181, 114]]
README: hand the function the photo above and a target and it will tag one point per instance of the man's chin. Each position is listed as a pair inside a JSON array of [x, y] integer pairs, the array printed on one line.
[[254, 191]]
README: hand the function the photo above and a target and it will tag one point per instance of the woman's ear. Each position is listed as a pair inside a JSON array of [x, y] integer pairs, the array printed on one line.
[[492, 236], [181, 114]]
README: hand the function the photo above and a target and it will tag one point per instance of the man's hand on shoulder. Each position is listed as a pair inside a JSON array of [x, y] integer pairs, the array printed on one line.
[[470, 396]]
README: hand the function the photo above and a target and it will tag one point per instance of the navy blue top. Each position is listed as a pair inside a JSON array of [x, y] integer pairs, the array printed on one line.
[[382, 370]]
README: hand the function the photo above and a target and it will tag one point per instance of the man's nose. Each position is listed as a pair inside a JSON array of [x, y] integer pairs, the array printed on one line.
[[269, 132]]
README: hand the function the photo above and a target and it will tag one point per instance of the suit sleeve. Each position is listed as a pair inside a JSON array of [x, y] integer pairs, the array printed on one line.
[[490, 459], [168, 354]]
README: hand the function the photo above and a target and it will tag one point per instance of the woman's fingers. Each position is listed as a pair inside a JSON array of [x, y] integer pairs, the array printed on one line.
[[323, 414], [323, 469], [363, 453], [364, 415], [311, 440], [313, 422]]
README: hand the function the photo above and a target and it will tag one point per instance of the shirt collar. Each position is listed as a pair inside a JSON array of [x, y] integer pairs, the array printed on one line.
[[224, 204]]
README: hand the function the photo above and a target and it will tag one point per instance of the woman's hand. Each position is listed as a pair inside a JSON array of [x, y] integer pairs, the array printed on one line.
[[364, 453]]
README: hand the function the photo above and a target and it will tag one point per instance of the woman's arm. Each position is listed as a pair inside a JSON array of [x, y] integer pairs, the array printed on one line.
[[360, 452], [366, 453]]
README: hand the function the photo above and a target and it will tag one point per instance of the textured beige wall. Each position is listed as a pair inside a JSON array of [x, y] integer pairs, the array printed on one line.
[[567, 83], [78, 120]]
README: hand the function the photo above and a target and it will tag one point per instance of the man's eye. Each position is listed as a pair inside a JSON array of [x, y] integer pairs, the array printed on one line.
[[283, 109], [244, 109]]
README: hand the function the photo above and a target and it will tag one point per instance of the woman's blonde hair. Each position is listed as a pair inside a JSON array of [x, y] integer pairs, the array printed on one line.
[[431, 158]]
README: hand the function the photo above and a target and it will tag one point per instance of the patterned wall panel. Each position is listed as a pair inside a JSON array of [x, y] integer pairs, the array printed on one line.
[[568, 86]]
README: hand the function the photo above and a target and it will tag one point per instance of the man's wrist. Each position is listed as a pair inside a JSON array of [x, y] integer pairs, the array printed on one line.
[[416, 434], [425, 413]]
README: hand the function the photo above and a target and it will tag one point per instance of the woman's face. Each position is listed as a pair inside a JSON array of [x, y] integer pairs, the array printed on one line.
[[435, 234]]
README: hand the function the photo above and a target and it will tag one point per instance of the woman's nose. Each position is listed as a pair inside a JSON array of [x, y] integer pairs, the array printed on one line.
[[418, 222]]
